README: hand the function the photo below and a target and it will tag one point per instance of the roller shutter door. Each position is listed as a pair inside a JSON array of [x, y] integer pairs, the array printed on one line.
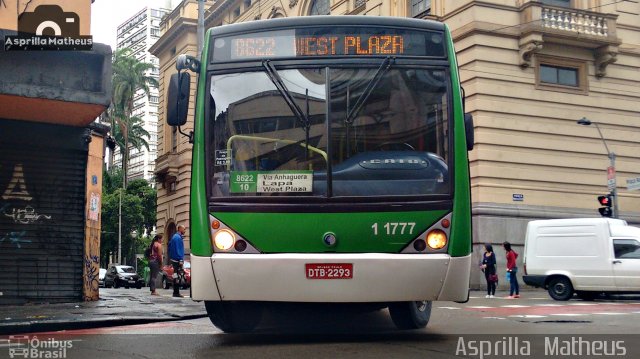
[[42, 198]]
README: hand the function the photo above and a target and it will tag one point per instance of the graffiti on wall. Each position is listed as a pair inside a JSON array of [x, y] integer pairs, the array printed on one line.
[[14, 238], [16, 189], [91, 275], [25, 215], [92, 249]]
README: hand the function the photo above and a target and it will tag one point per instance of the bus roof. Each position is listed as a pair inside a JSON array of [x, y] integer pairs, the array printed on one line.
[[325, 20]]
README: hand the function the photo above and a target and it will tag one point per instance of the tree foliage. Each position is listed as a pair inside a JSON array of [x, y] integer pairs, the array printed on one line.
[[129, 76], [138, 216]]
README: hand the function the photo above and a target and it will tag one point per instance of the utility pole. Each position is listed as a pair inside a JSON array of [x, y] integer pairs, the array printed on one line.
[[611, 170], [200, 27], [120, 229], [125, 163]]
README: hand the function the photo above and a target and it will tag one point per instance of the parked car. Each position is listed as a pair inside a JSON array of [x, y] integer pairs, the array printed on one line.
[[122, 276], [586, 256], [101, 275], [167, 276]]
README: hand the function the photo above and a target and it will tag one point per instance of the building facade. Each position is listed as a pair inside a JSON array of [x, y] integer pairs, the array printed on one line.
[[138, 33], [530, 69], [51, 159]]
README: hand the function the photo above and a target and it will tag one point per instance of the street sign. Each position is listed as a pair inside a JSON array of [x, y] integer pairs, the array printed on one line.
[[611, 178], [518, 197], [633, 184]]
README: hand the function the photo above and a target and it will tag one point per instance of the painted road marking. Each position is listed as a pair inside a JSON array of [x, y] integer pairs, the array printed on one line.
[[448, 308], [479, 307], [527, 316], [556, 309]]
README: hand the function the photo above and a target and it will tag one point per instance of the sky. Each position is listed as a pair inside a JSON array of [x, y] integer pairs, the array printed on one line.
[[106, 15]]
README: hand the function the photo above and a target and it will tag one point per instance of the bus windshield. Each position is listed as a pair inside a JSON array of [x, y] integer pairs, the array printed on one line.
[[330, 131]]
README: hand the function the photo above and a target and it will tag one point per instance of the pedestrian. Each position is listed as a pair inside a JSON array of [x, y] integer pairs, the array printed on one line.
[[155, 261], [512, 271], [489, 268], [176, 257]]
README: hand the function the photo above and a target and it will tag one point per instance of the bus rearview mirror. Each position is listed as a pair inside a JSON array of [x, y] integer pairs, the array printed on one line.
[[178, 99], [468, 129]]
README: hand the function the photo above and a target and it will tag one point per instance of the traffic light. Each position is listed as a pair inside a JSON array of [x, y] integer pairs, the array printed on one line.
[[605, 201]]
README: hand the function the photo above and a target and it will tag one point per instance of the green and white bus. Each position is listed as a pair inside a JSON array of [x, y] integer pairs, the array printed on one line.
[[330, 165]]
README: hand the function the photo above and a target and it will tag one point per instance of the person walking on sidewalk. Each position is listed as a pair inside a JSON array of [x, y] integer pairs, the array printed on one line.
[[155, 262], [489, 268], [176, 257], [512, 270]]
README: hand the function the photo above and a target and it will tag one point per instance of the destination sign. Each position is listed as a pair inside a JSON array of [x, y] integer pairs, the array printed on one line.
[[271, 182], [341, 41]]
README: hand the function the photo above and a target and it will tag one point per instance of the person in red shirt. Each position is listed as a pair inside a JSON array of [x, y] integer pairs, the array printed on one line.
[[512, 269], [155, 262]]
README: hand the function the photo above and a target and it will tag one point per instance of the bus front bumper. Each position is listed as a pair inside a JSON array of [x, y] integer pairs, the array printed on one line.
[[377, 277]]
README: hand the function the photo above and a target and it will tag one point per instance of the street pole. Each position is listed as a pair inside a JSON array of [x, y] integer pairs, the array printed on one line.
[[200, 27], [614, 189], [611, 177], [120, 230], [124, 187]]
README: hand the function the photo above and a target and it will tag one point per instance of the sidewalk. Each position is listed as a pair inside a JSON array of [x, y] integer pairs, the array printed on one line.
[[115, 307]]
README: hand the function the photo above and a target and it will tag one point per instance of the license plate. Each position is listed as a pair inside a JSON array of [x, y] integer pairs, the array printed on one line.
[[329, 270]]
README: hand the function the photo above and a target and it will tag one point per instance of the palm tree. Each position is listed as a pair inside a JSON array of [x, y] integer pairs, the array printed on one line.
[[136, 135], [129, 76]]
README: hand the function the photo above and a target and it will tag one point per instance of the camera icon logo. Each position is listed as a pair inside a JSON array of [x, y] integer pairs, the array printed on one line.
[[49, 20]]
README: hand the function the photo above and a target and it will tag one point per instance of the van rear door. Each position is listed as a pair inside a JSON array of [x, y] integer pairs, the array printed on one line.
[[626, 263]]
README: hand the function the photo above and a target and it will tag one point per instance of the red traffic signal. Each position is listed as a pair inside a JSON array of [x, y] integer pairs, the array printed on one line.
[[605, 200]]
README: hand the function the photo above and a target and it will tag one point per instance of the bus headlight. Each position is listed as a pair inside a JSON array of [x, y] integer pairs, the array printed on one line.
[[436, 239], [224, 239]]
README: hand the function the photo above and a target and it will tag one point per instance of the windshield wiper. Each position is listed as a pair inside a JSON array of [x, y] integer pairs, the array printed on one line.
[[303, 118], [382, 70], [277, 81]]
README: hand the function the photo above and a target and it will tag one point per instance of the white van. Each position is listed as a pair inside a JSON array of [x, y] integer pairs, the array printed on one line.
[[587, 256]]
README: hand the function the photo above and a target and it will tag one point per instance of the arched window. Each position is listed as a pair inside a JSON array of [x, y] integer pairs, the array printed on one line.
[[320, 7]]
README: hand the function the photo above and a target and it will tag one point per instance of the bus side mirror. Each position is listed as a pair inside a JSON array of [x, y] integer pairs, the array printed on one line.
[[468, 130], [178, 99]]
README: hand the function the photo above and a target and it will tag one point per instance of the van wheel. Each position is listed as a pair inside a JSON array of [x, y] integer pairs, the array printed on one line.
[[234, 317], [410, 315], [560, 288]]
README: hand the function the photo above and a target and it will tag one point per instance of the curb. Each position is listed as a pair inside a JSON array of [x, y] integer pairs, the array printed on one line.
[[51, 326]]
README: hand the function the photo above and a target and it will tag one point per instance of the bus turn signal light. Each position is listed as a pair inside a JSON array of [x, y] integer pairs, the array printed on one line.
[[224, 240], [436, 239]]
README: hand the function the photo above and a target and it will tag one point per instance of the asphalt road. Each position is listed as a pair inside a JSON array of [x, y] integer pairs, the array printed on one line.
[[534, 327]]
